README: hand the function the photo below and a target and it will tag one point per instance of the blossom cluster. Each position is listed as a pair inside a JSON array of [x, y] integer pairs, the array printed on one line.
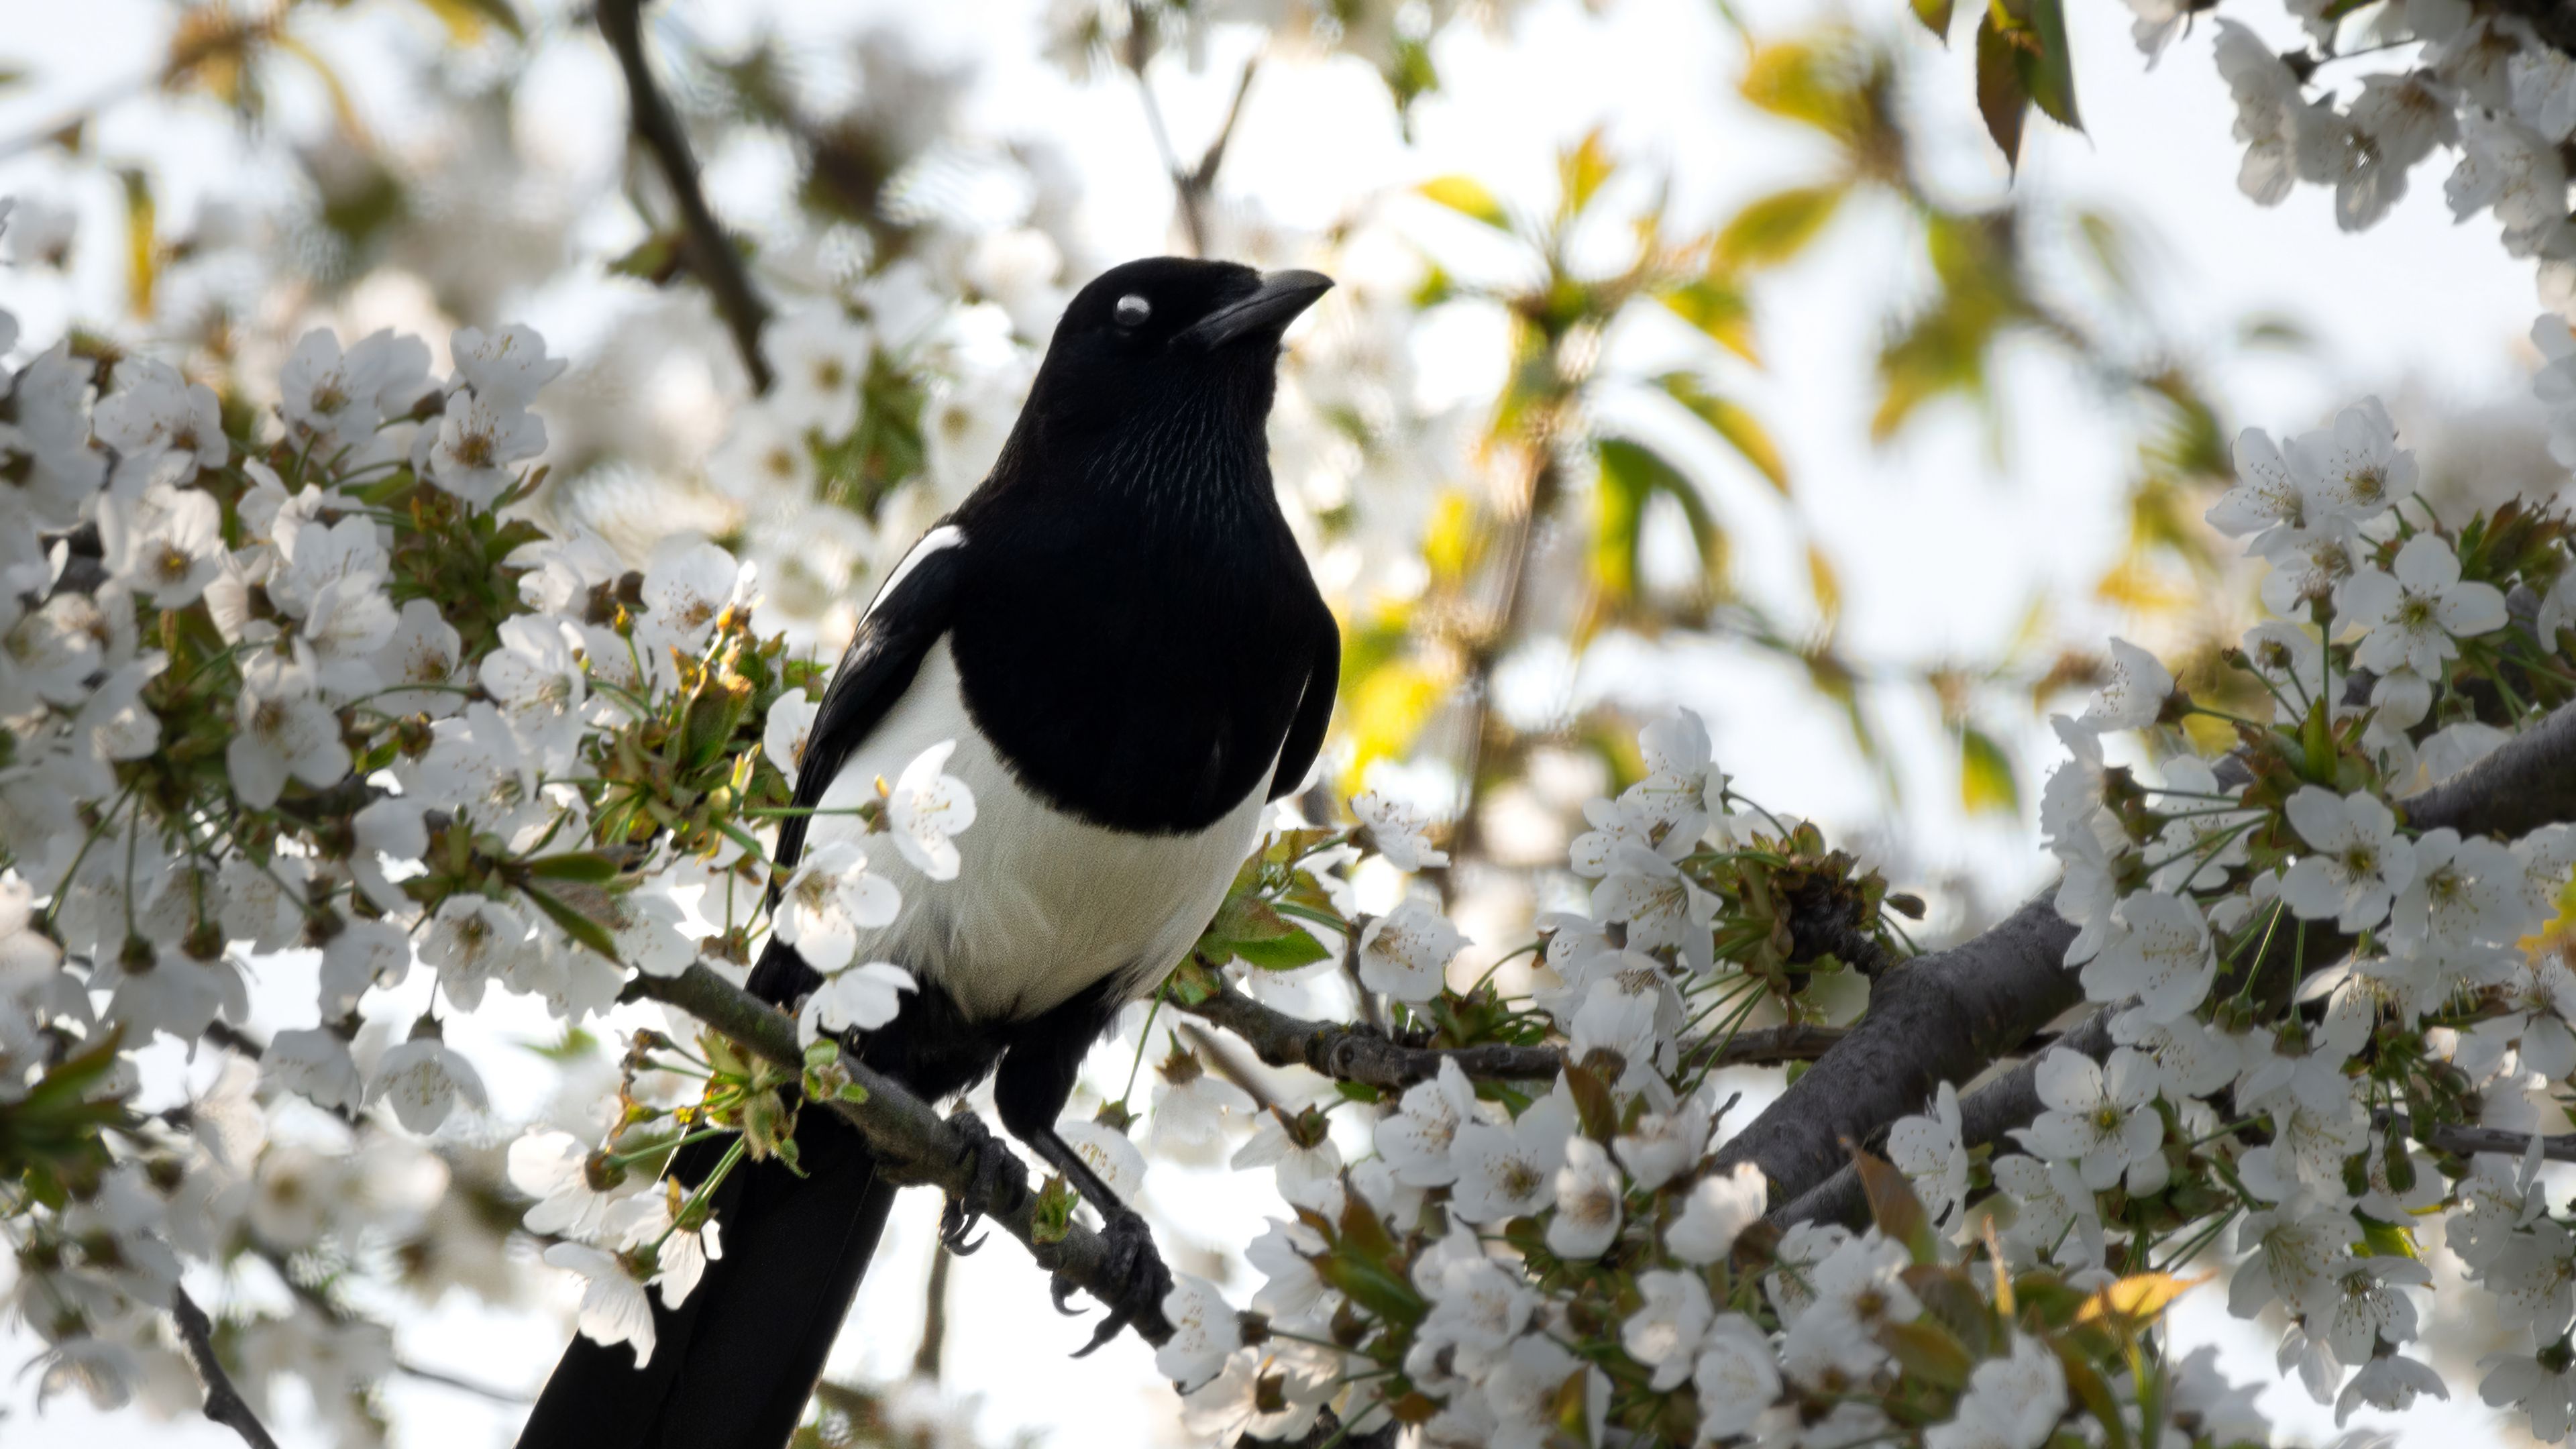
[[1505, 1261], [303, 684], [2303, 988]]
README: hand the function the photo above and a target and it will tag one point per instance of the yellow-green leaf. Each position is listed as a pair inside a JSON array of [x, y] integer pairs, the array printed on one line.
[[142, 241], [2138, 1298], [1986, 784], [1824, 582], [1582, 170], [1468, 197], [466, 20], [1792, 80], [1719, 310], [1935, 15], [1777, 227], [1729, 420]]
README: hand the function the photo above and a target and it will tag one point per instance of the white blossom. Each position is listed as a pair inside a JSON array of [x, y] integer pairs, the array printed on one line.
[[1665, 1333], [1510, 1171], [1406, 952], [2415, 615], [2359, 862], [856, 998], [614, 1309], [2101, 1118], [1588, 1196], [927, 809], [1720, 1207], [1398, 831], [424, 1080], [830, 899]]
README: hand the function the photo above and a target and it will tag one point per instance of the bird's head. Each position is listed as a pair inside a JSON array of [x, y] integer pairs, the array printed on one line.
[[1165, 346]]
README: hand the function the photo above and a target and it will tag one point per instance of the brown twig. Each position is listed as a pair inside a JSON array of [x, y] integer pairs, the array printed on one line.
[[912, 1142], [934, 1317], [711, 252], [224, 1403], [1191, 185], [1354, 1054]]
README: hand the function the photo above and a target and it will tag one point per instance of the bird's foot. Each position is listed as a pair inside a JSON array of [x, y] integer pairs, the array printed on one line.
[[1000, 1180], [1139, 1281]]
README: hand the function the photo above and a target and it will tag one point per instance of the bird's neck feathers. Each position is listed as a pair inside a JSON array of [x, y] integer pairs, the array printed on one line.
[[1180, 459]]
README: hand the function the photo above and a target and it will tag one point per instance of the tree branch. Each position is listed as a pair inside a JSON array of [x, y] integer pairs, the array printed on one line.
[[1941, 1017], [711, 253], [2528, 782], [224, 1403], [1352, 1054], [913, 1143]]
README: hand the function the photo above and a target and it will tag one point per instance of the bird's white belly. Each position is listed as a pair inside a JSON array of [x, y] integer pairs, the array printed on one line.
[[1043, 904]]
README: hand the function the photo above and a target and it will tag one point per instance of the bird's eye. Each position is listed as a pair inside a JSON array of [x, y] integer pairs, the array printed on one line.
[[1132, 310]]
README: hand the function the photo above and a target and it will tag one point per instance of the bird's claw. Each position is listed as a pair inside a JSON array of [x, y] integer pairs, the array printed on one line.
[[1139, 1281], [998, 1177]]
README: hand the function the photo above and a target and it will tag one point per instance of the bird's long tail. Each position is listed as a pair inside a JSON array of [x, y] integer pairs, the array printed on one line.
[[733, 1365]]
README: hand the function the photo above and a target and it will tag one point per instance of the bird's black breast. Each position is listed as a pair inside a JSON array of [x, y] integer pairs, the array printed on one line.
[[1139, 678]]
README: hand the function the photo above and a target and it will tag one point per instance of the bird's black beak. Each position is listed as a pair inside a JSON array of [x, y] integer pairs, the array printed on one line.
[[1267, 312]]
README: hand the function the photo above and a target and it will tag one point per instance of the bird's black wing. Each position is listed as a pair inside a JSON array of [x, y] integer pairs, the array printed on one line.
[[1314, 708], [899, 628]]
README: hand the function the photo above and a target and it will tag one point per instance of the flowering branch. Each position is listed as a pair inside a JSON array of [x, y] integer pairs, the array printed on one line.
[[906, 1133], [1900, 1049], [711, 252], [224, 1403]]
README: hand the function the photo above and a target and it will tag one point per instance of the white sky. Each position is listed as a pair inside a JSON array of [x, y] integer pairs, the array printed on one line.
[[1940, 550]]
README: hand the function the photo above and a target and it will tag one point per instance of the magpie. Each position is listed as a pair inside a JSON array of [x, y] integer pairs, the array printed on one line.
[[1119, 633]]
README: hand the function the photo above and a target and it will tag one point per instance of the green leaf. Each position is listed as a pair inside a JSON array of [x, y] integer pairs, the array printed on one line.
[[1986, 783], [1468, 197], [1894, 1208], [587, 866], [2047, 65], [1729, 420], [573, 923], [2002, 97], [1926, 1353], [1283, 953], [1935, 15], [1777, 227], [1632, 473]]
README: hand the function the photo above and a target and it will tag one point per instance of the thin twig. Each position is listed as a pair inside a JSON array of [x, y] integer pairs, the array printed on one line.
[[1355, 1054], [1191, 185], [2461, 1140], [224, 1403], [934, 1317], [1220, 1059], [444, 1379], [711, 252]]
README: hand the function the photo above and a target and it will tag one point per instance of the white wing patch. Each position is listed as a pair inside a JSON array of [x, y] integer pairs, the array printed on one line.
[[946, 535]]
